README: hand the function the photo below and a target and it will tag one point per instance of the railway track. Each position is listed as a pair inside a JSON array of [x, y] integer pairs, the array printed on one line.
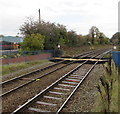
[[42, 69], [16, 83], [55, 96]]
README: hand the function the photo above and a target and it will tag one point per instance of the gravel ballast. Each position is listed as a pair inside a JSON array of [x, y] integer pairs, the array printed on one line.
[[14, 100], [84, 99]]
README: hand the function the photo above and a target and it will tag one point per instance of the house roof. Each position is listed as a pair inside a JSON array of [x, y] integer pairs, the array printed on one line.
[[12, 39]]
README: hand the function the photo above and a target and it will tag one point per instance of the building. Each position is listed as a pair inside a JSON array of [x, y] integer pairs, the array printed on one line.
[[10, 42]]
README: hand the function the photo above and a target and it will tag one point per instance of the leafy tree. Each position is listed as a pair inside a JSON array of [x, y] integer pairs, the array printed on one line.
[[1, 35], [33, 42], [97, 36], [54, 34], [87, 40], [116, 38], [71, 38], [102, 38], [93, 32]]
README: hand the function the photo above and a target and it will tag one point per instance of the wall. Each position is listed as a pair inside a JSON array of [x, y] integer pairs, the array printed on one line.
[[25, 58]]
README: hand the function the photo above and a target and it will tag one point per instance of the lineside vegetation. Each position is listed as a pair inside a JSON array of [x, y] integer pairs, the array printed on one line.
[[107, 99], [57, 34]]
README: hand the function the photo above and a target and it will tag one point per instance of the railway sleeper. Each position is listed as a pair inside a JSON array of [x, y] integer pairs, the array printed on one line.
[[66, 85], [37, 110], [72, 77], [46, 103], [62, 89], [72, 80], [53, 92], [74, 83], [51, 97]]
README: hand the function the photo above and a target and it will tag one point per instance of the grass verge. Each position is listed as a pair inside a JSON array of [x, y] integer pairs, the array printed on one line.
[[7, 69], [70, 51], [107, 99]]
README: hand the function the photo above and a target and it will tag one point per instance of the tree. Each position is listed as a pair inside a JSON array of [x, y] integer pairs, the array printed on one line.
[[54, 34], [71, 38], [97, 36], [93, 32], [1, 35], [116, 38], [33, 42], [101, 38]]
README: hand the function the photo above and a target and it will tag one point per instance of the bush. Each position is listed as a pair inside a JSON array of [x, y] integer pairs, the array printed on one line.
[[4, 56], [33, 42], [108, 90]]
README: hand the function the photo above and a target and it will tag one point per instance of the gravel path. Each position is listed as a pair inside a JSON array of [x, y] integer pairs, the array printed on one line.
[[84, 99]]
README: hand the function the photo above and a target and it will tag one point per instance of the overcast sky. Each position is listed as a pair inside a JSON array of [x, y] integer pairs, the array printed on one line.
[[77, 15]]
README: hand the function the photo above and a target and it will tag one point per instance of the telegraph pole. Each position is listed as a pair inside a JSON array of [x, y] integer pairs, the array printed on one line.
[[39, 16]]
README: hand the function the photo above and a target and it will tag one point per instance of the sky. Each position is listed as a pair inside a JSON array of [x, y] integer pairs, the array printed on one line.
[[76, 15]]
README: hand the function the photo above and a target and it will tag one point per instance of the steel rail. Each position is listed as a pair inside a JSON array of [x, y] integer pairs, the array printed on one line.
[[48, 88], [42, 69], [88, 72], [18, 87]]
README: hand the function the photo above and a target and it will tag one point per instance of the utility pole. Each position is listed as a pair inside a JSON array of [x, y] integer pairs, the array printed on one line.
[[39, 16]]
